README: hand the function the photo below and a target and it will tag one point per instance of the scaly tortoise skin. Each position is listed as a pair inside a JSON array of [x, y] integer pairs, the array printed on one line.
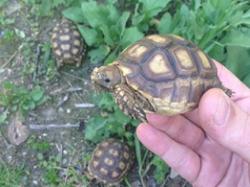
[[110, 161], [67, 45], [161, 74]]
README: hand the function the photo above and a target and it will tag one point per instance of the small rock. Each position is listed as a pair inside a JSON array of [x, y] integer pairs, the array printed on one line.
[[24, 153], [65, 152], [9, 159], [17, 132], [60, 109], [35, 182]]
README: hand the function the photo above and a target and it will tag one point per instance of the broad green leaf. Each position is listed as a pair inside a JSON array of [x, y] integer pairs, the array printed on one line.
[[45, 8], [184, 11], [111, 57], [111, 11], [94, 128], [98, 54], [137, 17], [165, 24], [104, 100], [247, 80], [237, 38], [122, 22], [37, 94], [93, 13], [131, 35], [27, 105], [121, 117], [109, 37], [56, 3], [75, 14], [153, 7], [2, 3], [218, 52], [161, 169], [3, 117], [99, 14], [89, 35], [197, 4], [238, 60]]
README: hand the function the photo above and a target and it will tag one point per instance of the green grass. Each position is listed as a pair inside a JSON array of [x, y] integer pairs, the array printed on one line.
[[10, 176], [19, 99]]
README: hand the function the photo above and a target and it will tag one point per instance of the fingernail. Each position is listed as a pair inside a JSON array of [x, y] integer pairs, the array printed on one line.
[[222, 111]]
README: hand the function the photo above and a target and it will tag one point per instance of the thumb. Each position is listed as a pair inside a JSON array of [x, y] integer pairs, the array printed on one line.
[[225, 122]]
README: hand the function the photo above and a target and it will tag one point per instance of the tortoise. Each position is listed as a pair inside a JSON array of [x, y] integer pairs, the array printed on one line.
[[110, 162], [163, 74], [67, 45]]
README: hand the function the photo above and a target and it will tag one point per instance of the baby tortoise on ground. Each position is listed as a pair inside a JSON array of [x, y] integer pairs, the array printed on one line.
[[161, 74], [110, 162], [67, 45]]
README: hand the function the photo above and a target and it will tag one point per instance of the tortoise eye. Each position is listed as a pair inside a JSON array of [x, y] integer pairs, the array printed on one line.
[[107, 80]]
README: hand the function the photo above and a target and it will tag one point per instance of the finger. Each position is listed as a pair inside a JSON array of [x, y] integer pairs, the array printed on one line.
[[225, 122], [182, 159], [179, 129], [241, 92]]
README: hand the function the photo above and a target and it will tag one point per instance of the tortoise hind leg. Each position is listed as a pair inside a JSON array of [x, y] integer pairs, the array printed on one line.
[[132, 103], [227, 91]]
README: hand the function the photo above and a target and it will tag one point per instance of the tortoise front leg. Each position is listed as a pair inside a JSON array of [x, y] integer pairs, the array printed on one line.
[[132, 103]]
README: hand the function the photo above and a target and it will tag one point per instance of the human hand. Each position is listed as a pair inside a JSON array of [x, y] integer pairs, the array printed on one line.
[[209, 146]]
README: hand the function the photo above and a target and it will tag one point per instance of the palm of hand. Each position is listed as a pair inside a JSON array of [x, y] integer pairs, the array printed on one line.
[[182, 142]]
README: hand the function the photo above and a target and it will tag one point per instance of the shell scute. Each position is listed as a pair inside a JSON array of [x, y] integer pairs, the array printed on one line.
[[67, 45], [113, 163], [171, 72]]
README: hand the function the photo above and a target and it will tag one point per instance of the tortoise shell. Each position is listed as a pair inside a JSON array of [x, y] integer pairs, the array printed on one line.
[[110, 161], [67, 45], [161, 74]]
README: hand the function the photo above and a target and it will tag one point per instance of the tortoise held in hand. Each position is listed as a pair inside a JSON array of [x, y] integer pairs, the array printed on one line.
[[67, 45], [161, 74], [110, 162]]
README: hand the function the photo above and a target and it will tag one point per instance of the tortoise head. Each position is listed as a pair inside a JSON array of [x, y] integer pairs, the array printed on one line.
[[106, 77]]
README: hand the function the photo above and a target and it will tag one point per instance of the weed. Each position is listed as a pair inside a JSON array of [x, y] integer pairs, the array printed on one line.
[[105, 28], [46, 7], [52, 168], [10, 176], [111, 122], [7, 34], [53, 173], [20, 99], [39, 145], [161, 170]]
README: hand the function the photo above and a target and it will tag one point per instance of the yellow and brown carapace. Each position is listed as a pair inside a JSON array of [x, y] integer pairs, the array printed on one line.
[[161, 74]]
